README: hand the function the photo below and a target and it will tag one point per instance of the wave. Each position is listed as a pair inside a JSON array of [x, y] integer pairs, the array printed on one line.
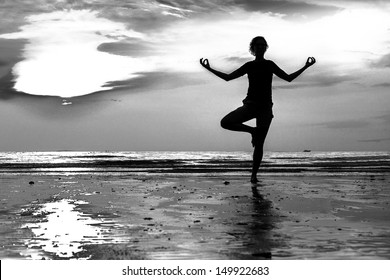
[[194, 162]]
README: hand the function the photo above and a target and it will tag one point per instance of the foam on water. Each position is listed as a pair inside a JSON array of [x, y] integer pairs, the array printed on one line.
[[291, 163]]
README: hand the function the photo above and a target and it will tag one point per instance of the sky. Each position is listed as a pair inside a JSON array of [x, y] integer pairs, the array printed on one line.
[[125, 75]]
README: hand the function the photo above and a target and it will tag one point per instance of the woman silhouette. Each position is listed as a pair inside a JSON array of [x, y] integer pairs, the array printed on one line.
[[258, 102]]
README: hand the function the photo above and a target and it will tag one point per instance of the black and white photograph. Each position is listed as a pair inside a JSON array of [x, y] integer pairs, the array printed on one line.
[[194, 130]]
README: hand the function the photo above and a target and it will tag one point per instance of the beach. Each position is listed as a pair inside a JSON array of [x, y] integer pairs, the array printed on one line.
[[58, 211]]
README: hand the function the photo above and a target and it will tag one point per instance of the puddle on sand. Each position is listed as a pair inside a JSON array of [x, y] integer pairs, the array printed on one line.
[[64, 230]]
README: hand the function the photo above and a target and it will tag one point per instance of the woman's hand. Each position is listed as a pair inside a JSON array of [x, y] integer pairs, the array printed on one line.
[[205, 63], [310, 61]]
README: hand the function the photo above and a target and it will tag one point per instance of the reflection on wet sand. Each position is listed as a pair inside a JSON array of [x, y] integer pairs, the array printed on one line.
[[111, 217], [253, 231], [263, 222], [63, 230], [215, 222]]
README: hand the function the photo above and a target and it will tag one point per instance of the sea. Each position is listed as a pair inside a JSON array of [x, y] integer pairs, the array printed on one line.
[[76, 223], [208, 163]]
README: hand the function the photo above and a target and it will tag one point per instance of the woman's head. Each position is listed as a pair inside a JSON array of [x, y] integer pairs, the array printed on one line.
[[258, 46]]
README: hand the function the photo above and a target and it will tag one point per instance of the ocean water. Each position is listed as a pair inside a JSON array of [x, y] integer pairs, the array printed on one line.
[[194, 163]]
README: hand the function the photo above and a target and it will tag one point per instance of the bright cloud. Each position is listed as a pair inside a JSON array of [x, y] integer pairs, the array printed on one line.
[[61, 58], [344, 34], [72, 52], [343, 43]]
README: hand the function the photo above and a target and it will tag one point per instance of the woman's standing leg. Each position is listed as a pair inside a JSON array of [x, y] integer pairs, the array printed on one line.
[[234, 121], [261, 133]]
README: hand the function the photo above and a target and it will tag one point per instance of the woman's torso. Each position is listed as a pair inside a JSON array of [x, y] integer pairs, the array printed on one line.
[[260, 82]]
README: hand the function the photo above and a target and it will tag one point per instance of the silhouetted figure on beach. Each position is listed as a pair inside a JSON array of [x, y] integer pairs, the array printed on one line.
[[258, 102]]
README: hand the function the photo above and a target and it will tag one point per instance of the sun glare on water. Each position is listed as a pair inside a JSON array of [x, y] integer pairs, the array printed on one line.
[[61, 56]]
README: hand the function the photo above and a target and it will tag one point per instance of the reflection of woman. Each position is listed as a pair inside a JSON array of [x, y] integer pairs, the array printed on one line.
[[258, 102]]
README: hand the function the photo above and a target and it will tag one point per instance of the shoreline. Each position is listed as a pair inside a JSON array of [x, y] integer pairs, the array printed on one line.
[[199, 217]]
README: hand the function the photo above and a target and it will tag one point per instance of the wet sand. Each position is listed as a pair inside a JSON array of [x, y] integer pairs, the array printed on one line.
[[211, 217]]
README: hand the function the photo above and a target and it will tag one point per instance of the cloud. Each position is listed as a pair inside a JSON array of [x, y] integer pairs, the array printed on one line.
[[343, 124], [70, 65], [385, 117], [140, 15], [6, 86], [379, 140], [383, 62], [3, 63], [315, 80], [291, 9], [9, 56], [386, 84], [156, 80], [155, 16], [193, 6], [10, 51], [7, 90], [133, 48], [239, 59], [176, 33]]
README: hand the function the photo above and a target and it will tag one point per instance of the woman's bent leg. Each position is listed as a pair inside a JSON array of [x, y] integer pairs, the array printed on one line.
[[235, 119]]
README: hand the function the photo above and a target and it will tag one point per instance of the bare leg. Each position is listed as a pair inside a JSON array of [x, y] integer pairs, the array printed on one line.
[[241, 127], [238, 127], [234, 121], [257, 158], [261, 133]]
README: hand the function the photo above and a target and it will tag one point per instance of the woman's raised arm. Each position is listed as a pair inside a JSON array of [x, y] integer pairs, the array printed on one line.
[[290, 77], [227, 77]]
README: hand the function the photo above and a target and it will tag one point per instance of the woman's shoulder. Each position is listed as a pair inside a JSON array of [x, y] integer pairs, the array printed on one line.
[[262, 63], [270, 64], [268, 61], [250, 62]]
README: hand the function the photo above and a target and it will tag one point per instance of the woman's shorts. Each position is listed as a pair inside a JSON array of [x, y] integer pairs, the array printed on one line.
[[262, 114]]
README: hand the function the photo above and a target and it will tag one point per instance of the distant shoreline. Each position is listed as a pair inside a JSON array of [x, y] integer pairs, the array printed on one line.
[[207, 163]]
